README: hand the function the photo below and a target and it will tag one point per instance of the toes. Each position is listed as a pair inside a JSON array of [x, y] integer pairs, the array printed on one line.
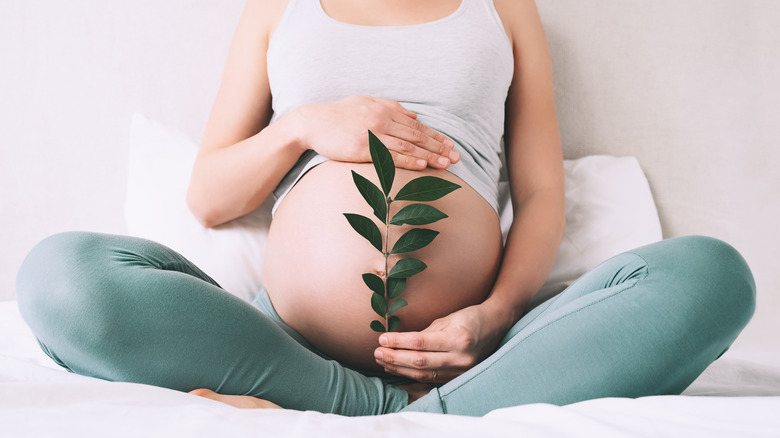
[[238, 401], [203, 392]]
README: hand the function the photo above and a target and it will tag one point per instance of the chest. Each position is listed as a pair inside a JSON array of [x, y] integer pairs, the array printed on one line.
[[389, 12], [450, 64]]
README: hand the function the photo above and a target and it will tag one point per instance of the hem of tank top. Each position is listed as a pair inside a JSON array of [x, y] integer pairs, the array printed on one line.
[[315, 161], [319, 159]]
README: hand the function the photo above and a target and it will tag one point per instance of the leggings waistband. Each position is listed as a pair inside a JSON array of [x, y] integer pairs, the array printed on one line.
[[262, 302]]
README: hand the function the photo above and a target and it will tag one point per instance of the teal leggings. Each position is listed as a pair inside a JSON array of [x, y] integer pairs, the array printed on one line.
[[643, 323]]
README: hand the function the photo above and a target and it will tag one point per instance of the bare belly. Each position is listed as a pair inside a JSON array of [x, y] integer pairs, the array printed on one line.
[[314, 260]]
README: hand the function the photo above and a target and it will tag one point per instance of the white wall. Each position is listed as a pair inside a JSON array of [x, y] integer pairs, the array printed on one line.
[[692, 88], [71, 75]]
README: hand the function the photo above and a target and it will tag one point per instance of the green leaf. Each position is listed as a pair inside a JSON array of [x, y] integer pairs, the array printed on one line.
[[377, 326], [366, 228], [383, 163], [414, 239], [395, 286], [375, 283], [395, 305], [372, 195], [407, 267], [394, 322], [425, 188], [417, 214], [379, 304]]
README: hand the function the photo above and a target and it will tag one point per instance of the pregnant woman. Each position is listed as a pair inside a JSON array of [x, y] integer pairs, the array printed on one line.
[[440, 82]]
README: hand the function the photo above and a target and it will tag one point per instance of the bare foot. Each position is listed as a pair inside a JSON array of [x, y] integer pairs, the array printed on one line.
[[239, 401]]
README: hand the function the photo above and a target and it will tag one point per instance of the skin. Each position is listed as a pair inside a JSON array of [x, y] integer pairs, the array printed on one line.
[[238, 141], [309, 235]]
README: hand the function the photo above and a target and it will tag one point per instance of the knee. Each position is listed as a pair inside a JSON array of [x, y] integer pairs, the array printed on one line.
[[46, 281], [729, 289]]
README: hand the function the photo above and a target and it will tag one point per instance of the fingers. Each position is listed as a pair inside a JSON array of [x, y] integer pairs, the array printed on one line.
[[434, 357], [422, 341], [413, 150], [394, 105], [427, 367], [413, 144]]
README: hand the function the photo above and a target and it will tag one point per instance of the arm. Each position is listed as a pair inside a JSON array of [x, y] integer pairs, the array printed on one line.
[[242, 158], [535, 168], [453, 344], [237, 140]]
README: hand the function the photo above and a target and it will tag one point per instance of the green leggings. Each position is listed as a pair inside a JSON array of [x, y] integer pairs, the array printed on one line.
[[643, 323]]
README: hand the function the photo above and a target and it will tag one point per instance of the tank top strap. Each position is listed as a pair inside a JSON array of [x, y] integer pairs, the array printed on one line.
[[299, 12]]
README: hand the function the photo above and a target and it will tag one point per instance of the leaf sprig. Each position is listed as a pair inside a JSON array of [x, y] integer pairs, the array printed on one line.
[[385, 291]]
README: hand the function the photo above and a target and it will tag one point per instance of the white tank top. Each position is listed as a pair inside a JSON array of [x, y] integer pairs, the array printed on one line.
[[453, 72]]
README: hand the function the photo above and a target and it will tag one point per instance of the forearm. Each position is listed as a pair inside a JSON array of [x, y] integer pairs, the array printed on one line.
[[455, 343], [529, 253], [228, 182]]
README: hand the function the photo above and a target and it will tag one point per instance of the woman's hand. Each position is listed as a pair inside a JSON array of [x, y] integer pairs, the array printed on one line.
[[337, 130], [443, 351]]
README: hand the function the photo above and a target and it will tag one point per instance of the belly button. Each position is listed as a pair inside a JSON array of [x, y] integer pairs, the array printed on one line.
[[379, 268]]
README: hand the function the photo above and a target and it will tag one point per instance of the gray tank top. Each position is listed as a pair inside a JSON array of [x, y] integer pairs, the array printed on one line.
[[453, 72]]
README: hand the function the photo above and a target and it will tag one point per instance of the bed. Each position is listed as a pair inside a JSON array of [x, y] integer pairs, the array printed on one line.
[[733, 398], [667, 112]]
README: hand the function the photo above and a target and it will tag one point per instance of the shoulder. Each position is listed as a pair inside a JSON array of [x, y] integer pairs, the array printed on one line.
[[265, 14], [260, 8], [521, 20]]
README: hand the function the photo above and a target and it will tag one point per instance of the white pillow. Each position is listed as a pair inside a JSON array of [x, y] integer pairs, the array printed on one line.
[[609, 209], [159, 171]]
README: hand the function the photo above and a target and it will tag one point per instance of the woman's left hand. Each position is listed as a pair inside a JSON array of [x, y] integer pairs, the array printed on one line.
[[443, 351]]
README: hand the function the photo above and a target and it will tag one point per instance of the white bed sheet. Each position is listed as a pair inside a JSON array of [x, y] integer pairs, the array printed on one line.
[[733, 398]]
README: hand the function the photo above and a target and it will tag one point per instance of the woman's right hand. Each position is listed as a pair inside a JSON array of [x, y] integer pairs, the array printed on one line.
[[338, 131]]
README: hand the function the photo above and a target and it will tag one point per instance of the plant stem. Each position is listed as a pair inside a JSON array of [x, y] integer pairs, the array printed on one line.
[[387, 255]]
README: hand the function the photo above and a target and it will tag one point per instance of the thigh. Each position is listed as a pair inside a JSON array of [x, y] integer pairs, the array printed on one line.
[[609, 278], [127, 309], [643, 323]]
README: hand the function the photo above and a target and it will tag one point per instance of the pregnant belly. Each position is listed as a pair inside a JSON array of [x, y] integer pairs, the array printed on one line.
[[314, 260]]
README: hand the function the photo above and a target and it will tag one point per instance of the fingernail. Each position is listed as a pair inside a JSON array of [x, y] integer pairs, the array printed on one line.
[[443, 161], [454, 156], [382, 341], [421, 163], [378, 354], [449, 142]]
